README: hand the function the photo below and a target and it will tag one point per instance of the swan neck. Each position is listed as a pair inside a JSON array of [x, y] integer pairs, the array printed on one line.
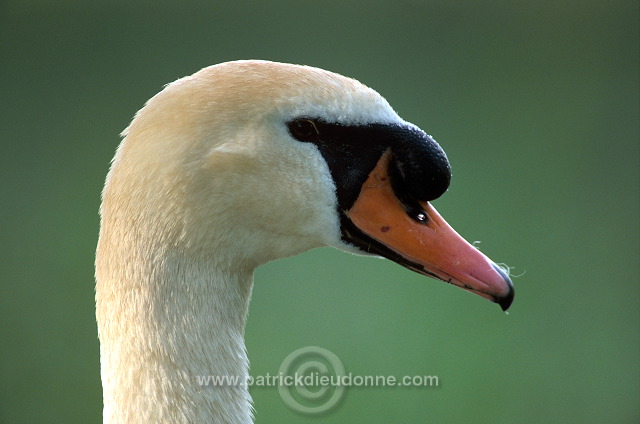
[[165, 325]]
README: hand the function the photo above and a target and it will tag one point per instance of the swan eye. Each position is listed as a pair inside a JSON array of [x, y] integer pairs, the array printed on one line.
[[304, 130]]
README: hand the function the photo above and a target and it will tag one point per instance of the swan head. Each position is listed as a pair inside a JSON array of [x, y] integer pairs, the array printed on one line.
[[249, 161]]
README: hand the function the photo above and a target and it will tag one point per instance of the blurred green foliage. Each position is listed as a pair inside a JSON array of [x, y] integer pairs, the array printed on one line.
[[536, 104]]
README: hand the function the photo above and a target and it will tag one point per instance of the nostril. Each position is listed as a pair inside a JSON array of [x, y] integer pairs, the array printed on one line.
[[400, 188]]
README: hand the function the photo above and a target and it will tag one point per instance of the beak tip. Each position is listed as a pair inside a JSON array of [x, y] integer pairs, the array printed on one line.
[[505, 300]]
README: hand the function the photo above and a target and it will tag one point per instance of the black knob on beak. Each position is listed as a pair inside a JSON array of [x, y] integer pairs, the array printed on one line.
[[419, 167]]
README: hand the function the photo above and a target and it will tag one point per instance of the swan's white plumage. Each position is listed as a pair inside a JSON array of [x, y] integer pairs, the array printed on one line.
[[207, 185]]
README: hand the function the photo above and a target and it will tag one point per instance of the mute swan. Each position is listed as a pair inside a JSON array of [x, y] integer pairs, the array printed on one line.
[[236, 165]]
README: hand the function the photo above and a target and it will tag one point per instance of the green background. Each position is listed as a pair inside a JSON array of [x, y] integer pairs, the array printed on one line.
[[536, 104]]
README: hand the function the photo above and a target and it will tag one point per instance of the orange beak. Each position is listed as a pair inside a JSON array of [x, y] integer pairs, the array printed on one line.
[[426, 243]]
